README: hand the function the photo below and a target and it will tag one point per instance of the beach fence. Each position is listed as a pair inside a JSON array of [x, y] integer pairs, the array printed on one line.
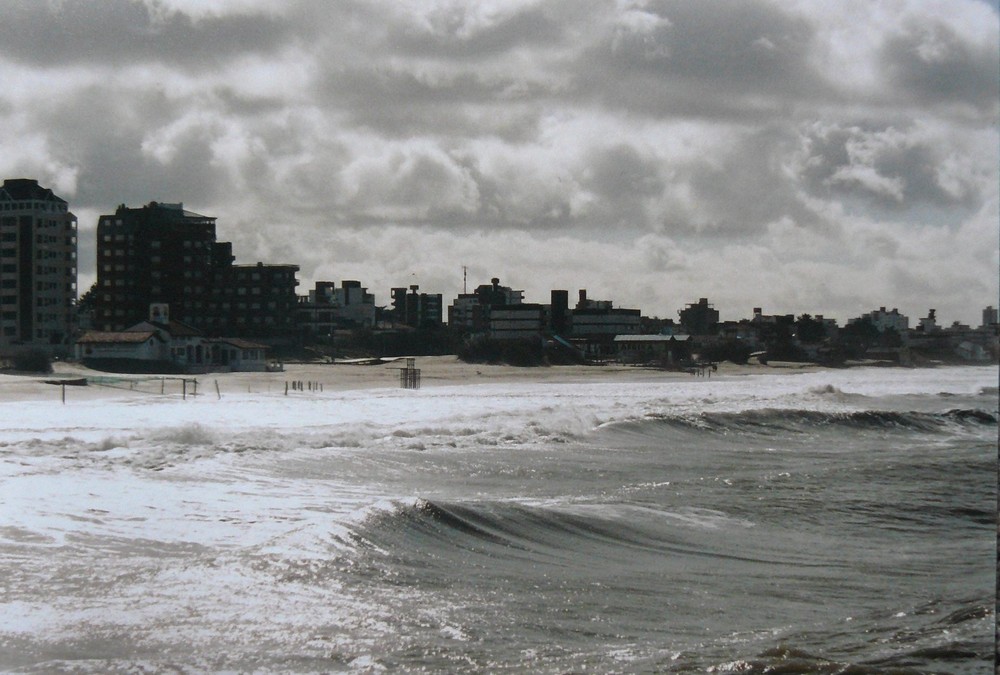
[[159, 385], [300, 385]]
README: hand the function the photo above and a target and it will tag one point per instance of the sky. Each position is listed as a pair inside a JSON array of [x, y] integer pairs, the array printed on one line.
[[801, 156]]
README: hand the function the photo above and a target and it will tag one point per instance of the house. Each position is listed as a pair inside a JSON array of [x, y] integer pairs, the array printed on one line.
[[130, 351], [663, 349], [238, 355], [164, 345]]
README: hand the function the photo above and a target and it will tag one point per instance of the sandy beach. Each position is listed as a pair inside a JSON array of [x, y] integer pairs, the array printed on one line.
[[320, 377]]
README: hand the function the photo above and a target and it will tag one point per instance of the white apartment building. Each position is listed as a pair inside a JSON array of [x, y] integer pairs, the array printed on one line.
[[38, 251]]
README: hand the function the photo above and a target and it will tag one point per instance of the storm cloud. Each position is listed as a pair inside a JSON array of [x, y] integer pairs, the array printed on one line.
[[784, 154]]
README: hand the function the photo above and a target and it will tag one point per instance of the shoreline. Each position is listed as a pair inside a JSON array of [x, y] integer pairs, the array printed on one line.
[[435, 371], [317, 378]]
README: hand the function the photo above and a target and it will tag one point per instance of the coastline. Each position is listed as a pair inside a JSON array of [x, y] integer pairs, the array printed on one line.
[[316, 378], [436, 371]]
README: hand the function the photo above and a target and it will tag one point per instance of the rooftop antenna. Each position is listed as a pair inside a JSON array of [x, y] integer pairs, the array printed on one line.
[[465, 277]]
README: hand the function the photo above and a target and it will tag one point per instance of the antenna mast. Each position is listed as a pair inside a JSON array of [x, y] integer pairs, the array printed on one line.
[[465, 276]]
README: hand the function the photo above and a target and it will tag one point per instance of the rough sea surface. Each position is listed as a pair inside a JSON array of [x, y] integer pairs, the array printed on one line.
[[831, 522]]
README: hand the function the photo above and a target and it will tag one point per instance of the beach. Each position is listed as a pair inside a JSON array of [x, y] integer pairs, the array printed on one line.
[[499, 519], [435, 371]]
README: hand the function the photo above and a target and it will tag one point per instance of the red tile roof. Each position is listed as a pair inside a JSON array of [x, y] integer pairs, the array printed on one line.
[[122, 337]]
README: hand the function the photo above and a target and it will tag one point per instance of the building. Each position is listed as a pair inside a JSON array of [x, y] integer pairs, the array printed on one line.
[[161, 254], [990, 317], [883, 320], [162, 345], [470, 312], [156, 254], [699, 318], [417, 310], [38, 267], [524, 321], [251, 300], [928, 324], [663, 349], [327, 308], [594, 324], [559, 313]]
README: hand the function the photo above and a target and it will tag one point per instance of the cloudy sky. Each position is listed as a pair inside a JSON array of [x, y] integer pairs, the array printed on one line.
[[800, 155]]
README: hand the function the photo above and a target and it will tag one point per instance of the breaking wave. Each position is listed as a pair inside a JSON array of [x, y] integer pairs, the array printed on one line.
[[770, 421]]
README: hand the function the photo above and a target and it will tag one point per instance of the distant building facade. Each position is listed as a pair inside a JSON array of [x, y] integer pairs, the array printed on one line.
[[161, 254], [38, 267], [470, 312], [990, 317], [699, 318], [327, 308], [417, 310], [523, 321], [594, 324], [884, 320]]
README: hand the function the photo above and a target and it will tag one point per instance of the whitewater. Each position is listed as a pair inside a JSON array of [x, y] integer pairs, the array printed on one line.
[[837, 521]]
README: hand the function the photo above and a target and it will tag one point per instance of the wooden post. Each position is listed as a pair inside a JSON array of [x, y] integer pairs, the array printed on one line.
[[184, 388], [217, 392]]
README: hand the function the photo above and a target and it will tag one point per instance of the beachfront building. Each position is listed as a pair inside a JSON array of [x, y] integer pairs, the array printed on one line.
[[156, 254], [327, 308], [162, 254], [416, 310], [256, 301], [594, 324], [666, 350], [990, 317], [524, 321], [163, 345], [699, 318], [470, 312], [883, 320], [38, 256]]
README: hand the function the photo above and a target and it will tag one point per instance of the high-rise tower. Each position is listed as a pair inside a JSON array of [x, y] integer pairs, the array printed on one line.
[[38, 250]]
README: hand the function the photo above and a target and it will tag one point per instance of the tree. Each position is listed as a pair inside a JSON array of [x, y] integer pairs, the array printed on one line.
[[809, 330]]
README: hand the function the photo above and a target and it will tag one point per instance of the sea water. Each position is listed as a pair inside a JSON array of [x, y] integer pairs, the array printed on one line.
[[831, 522]]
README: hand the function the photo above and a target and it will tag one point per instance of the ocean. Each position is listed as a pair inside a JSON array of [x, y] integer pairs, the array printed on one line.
[[840, 521]]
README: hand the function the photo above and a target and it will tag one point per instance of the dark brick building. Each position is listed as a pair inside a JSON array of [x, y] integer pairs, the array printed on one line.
[[162, 254]]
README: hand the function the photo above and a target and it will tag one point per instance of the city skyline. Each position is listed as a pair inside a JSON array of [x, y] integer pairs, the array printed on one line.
[[783, 155]]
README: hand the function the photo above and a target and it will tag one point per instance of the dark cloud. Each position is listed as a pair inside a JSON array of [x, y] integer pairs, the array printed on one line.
[[747, 187], [126, 32], [722, 59], [459, 30], [888, 166], [404, 103], [930, 63], [105, 134]]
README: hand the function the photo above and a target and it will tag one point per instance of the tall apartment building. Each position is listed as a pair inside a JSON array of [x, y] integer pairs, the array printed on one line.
[[158, 253], [162, 254], [38, 249], [419, 310]]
